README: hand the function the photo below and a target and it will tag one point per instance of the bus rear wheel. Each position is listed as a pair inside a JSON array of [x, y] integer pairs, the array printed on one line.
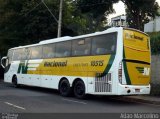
[[79, 89], [64, 88]]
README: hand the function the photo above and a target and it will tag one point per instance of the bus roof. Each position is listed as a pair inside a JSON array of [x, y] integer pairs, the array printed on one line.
[[78, 37], [110, 30], [132, 29]]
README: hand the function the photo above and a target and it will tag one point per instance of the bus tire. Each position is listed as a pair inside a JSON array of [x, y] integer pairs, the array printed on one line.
[[64, 88], [79, 89], [15, 82]]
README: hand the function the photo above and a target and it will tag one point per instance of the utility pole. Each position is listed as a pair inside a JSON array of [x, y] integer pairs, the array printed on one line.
[[60, 19]]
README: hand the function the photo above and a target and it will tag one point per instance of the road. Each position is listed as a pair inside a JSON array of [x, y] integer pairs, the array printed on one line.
[[39, 100]]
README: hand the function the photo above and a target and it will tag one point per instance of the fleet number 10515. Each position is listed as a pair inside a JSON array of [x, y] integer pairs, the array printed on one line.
[[97, 63]]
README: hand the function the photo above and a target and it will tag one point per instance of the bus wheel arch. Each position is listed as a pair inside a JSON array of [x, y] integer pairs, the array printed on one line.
[[64, 87], [15, 81], [79, 88]]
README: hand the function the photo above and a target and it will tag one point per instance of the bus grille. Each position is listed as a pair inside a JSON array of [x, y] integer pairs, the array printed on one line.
[[103, 84]]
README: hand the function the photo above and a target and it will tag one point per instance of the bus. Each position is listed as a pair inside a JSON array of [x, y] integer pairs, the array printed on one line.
[[111, 62]]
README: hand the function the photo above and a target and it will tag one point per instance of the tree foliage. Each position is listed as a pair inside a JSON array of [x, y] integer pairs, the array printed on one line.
[[29, 21], [25, 22], [140, 12], [155, 41], [96, 12]]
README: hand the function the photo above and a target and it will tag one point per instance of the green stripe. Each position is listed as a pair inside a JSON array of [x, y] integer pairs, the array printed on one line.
[[32, 67], [111, 59], [22, 68], [140, 69], [126, 70]]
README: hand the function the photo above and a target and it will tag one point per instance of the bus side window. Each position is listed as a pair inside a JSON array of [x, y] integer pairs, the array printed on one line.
[[63, 49], [49, 51], [25, 54], [17, 54], [104, 44], [101, 51], [81, 47], [10, 55], [36, 52], [113, 48]]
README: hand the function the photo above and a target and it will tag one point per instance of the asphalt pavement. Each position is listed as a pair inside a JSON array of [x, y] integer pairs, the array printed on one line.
[[38, 103], [40, 100]]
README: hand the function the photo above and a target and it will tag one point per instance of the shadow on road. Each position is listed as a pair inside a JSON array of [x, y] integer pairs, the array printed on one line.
[[91, 98]]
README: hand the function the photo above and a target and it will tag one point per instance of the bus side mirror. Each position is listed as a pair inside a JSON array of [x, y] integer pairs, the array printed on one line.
[[3, 61]]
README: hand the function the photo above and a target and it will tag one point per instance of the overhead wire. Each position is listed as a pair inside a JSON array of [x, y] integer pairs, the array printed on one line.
[[41, 2], [26, 13], [49, 11]]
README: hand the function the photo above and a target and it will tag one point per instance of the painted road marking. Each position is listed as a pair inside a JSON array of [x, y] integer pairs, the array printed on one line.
[[14, 105], [74, 101]]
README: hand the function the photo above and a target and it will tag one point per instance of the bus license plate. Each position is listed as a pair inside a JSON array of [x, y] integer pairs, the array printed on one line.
[[137, 90]]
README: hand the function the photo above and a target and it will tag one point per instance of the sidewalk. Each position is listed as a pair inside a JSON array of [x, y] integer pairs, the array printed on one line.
[[143, 99]]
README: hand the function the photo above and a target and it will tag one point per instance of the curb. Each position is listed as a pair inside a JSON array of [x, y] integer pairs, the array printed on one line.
[[139, 99]]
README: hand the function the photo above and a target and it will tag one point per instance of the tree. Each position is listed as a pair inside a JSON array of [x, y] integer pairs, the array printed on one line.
[[96, 12], [8, 15], [140, 12], [29, 21]]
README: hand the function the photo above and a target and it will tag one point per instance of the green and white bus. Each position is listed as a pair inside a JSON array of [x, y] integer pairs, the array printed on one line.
[[112, 62]]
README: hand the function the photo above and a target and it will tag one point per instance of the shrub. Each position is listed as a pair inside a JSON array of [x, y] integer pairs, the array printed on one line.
[[155, 42]]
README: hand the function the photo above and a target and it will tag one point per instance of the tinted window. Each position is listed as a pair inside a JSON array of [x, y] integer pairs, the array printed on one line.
[[26, 53], [104, 44], [36, 52], [49, 51], [63, 49], [17, 54], [81, 47]]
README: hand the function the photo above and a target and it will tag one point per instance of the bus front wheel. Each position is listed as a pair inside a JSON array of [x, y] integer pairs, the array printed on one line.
[[64, 88], [79, 89], [14, 81]]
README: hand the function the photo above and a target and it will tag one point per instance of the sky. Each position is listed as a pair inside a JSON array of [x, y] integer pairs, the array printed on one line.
[[120, 9]]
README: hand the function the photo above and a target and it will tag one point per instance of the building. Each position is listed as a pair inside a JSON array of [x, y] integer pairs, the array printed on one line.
[[153, 26], [118, 21]]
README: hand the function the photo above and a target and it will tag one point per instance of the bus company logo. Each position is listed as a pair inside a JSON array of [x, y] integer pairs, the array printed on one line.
[[133, 36], [25, 66], [143, 70], [55, 64]]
